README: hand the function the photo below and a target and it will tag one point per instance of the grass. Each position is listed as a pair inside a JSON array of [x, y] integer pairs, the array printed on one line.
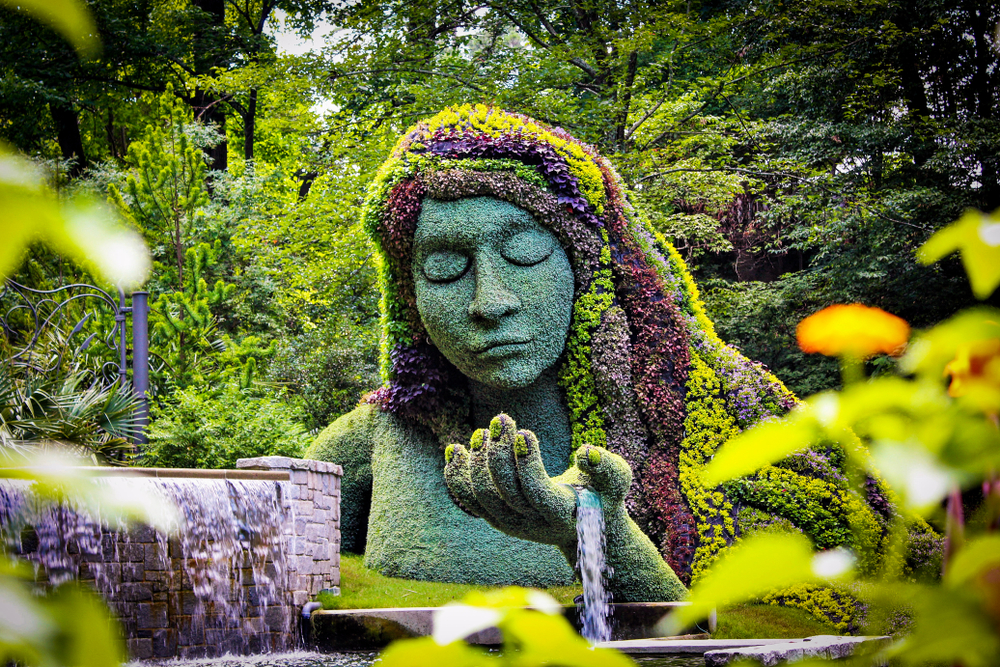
[[762, 621], [361, 588]]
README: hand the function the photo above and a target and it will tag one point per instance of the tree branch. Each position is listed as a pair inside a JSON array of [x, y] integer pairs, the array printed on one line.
[[400, 70], [725, 84], [778, 174]]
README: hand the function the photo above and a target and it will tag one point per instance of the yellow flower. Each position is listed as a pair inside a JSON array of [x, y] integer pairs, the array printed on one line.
[[975, 368], [853, 331]]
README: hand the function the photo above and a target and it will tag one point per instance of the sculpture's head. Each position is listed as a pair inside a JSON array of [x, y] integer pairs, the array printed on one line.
[[494, 289], [508, 247]]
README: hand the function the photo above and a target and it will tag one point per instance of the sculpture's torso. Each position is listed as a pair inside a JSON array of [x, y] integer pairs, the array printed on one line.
[[416, 531]]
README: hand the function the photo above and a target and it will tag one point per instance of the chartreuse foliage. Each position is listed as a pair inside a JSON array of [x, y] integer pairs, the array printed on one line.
[[929, 439]]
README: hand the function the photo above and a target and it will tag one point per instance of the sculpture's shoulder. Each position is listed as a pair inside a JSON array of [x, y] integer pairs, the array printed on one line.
[[348, 440]]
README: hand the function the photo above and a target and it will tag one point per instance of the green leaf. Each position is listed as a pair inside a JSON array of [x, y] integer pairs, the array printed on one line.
[[977, 236], [759, 446], [90, 636], [425, 652], [754, 567], [70, 18], [978, 555], [930, 352], [80, 228]]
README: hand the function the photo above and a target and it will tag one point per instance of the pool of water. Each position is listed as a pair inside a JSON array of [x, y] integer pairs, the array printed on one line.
[[290, 659], [363, 659]]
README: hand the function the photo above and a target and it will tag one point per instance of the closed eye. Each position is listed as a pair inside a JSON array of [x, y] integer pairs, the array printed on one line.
[[528, 248], [445, 266]]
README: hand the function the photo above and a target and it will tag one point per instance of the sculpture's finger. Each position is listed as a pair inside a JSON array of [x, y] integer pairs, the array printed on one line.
[[503, 465], [456, 476], [555, 502], [496, 510], [609, 474]]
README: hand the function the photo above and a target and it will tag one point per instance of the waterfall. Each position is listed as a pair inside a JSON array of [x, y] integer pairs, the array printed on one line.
[[593, 568], [215, 583]]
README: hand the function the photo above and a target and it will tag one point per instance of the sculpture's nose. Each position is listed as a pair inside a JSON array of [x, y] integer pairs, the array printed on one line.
[[492, 299]]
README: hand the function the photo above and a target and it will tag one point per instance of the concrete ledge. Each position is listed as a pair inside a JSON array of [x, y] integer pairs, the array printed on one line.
[[671, 645], [288, 463], [179, 473], [821, 646], [356, 629]]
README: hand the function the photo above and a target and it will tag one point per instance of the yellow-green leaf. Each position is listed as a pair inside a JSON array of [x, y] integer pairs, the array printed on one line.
[[978, 555], [70, 18], [977, 236], [759, 446], [752, 568], [80, 228]]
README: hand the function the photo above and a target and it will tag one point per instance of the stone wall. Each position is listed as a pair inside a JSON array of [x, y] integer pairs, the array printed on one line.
[[313, 506], [150, 580]]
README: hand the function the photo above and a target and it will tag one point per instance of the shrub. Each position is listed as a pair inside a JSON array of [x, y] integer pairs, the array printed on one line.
[[212, 429]]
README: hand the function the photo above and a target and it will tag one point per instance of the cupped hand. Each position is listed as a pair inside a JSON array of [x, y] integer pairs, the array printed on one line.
[[501, 478]]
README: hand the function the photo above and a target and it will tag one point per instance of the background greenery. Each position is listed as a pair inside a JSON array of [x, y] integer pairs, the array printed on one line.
[[797, 154]]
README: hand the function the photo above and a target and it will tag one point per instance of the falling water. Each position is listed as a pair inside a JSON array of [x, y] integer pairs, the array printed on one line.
[[220, 570], [593, 568]]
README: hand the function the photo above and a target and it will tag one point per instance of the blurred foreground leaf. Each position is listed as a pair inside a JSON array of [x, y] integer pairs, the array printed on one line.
[[58, 478], [67, 626], [754, 567], [977, 236], [69, 18], [534, 634], [81, 228]]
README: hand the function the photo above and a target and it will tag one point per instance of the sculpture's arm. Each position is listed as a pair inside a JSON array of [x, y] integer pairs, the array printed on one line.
[[348, 442], [502, 479]]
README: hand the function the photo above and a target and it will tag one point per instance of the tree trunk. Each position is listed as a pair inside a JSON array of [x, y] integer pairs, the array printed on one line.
[[68, 132], [206, 105], [249, 125]]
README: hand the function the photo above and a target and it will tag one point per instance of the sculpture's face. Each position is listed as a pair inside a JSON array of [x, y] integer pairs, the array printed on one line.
[[494, 289]]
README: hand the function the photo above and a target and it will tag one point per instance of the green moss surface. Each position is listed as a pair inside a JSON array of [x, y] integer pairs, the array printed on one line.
[[364, 588], [415, 530], [348, 442]]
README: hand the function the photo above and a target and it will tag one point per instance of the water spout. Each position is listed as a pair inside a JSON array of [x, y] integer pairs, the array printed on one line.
[[593, 567]]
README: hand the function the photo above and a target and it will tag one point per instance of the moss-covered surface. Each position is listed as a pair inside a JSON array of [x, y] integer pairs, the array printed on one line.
[[762, 621], [415, 530], [364, 588]]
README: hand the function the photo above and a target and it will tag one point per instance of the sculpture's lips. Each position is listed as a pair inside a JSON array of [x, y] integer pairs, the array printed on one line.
[[501, 347]]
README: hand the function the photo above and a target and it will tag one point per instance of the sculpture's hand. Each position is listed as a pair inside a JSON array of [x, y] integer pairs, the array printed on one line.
[[502, 479]]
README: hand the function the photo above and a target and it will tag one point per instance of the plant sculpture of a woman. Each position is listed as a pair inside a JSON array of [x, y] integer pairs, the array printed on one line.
[[521, 290]]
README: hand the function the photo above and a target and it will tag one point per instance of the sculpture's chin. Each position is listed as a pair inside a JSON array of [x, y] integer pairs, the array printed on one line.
[[505, 378]]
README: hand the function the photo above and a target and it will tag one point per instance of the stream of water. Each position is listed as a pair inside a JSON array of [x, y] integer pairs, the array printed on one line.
[[596, 613]]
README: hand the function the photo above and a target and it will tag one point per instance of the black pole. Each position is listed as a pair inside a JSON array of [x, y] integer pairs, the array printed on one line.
[[122, 341], [140, 362]]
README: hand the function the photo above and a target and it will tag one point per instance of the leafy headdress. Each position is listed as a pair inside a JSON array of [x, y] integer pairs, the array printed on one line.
[[643, 373]]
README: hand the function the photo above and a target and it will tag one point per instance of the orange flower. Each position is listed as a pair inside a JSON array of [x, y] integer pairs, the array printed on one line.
[[975, 368], [853, 331]]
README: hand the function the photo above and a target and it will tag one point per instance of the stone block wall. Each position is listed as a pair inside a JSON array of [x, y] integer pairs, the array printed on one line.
[[313, 509], [147, 579]]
